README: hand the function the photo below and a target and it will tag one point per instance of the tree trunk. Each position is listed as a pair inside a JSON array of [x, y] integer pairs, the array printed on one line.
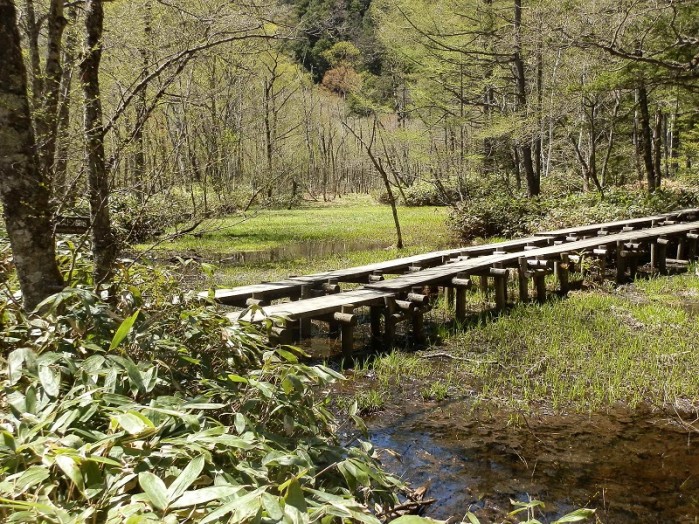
[[532, 177], [47, 118], [103, 241], [34, 60], [646, 141], [25, 193], [60, 167], [658, 146]]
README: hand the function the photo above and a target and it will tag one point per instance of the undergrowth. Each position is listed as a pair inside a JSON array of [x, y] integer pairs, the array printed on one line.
[[151, 408], [503, 215]]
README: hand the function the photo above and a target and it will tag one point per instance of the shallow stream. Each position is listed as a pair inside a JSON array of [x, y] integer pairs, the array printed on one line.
[[631, 467]]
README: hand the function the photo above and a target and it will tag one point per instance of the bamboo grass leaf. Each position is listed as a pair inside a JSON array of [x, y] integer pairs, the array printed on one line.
[[154, 489], [123, 330]]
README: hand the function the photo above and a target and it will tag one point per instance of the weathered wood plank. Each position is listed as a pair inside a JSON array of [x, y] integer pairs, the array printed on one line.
[[314, 307], [442, 274], [609, 227]]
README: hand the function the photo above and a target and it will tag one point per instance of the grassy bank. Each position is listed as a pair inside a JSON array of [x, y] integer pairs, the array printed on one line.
[[636, 344]]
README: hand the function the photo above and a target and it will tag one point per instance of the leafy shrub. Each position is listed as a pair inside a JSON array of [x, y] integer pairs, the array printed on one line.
[[497, 216], [153, 409], [511, 216], [428, 193]]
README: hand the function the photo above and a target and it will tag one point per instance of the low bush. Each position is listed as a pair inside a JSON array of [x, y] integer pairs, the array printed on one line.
[[151, 408], [512, 216]]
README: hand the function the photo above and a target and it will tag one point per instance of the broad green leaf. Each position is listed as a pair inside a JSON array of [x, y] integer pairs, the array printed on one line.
[[134, 422], [16, 360], [239, 423], [204, 495], [49, 380], [31, 477], [71, 469], [123, 330], [294, 496], [7, 440], [472, 518], [272, 506], [240, 506], [154, 488], [188, 475]]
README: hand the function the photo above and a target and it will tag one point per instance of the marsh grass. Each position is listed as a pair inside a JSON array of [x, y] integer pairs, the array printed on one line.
[[351, 220], [635, 345]]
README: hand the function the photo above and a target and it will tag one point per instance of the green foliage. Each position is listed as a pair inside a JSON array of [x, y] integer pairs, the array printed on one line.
[[342, 53], [495, 216], [153, 409], [511, 216]]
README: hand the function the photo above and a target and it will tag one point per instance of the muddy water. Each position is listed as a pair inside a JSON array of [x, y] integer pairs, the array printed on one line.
[[631, 467]]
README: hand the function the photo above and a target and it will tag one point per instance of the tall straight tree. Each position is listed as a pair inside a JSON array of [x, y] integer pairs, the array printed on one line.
[[24, 188], [103, 240]]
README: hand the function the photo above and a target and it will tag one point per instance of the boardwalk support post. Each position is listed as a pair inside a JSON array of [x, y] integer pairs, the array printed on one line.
[[658, 255], [692, 245], [562, 267], [347, 321], [460, 283], [500, 282], [523, 277], [375, 323]]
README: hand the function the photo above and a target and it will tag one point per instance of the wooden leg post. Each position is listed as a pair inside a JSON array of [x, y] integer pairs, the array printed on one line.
[[563, 266], [484, 286], [692, 245], [500, 283], [540, 285], [620, 262], [389, 311], [460, 284], [658, 255], [347, 321], [418, 320], [523, 277]]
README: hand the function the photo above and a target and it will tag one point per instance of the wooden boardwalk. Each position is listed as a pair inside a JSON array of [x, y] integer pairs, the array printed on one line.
[[308, 286], [624, 245]]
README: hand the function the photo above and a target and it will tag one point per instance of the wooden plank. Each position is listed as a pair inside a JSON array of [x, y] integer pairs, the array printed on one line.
[[609, 226], [690, 213], [440, 275], [314, 307], [269, 290]]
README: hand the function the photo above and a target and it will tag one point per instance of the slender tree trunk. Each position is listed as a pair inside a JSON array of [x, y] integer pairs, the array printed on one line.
[[24, 190], [47, 118], [138, 176], [646, 141], [610, 141], [60, 167], [103, 241], [658, 146], [532, 177]]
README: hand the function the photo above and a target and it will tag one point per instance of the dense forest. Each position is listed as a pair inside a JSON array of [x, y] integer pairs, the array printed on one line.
[[150, 118]]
